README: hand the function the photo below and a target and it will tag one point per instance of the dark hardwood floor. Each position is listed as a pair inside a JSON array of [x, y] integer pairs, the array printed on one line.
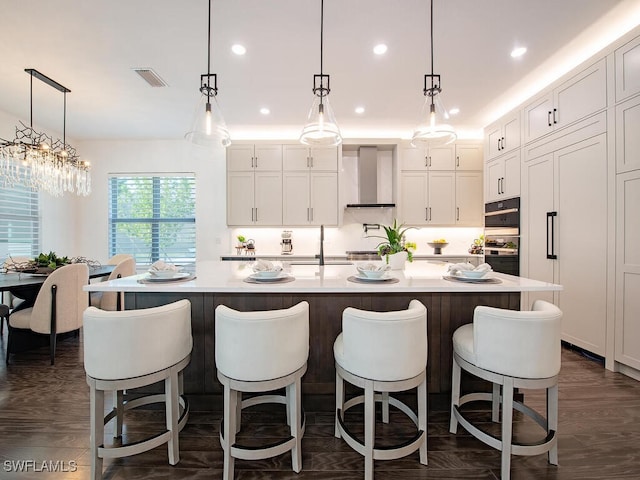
[[44, 419]]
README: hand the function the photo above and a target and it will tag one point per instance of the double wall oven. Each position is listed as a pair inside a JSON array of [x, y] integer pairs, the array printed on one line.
[[502, 236]]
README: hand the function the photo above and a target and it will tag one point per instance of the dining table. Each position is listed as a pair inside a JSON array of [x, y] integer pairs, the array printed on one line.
[[26, 286]]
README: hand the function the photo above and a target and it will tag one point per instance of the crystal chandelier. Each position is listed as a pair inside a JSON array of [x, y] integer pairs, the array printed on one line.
[[321, 128], [208, 127], [34, 160], [432, 129]]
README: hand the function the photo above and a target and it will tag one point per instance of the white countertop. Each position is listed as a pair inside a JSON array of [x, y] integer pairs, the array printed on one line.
[[227, 277]]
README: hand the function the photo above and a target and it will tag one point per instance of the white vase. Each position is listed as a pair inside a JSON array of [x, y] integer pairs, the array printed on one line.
[[396, 261]]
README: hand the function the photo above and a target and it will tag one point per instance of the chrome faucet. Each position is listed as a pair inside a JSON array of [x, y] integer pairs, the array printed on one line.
[[321, 256]]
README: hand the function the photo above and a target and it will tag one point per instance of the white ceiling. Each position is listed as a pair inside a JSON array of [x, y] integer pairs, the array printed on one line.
[[91, 47]]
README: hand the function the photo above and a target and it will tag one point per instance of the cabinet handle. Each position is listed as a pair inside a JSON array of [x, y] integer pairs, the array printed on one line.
[[498, 186], [555, 120], [256, 214], [429, 213], [457, 160], [426, 214], [550, 239], [252, 214], [311, 161], [499, 144], [311, 209], [457, 214], [549, 118], [502, 185], [429, 162], [503, 144]]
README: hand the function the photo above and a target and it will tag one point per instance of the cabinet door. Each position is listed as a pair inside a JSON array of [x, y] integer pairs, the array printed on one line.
[[493, 140], [582, 242], [268, 157], [627, 138], [493, 181], [469, 157], [268, 198], [240, 158], [295, 157], [580, 96], [469, 204], [537, 201], [627, 68], [413, 158], [627, 344], [538, 118], [324, 198], [413, 198], [510, 185], [442, 158], [442, 198], [240, 198], [511, 129], [324, 159], [295, 198]]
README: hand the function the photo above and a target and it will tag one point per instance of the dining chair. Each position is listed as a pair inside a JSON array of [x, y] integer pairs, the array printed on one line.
[[8, 299], [114, 300], [57, 309], [119, 257]]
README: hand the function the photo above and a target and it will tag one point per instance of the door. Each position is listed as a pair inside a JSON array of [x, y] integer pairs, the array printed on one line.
[[469, 157], [510, 185], [469, 202], [240, 198], [324, 159], [324, 198], [495, 174], [268, 157], [580, 96], [240, 158], [538, 118], [295, 157], [493, 140], [295, 193], [413, 198], [442, 198], [413, 158], [268, 198], [442, 158]]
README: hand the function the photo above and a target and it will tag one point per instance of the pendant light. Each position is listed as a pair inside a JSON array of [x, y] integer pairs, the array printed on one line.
[[433, 129], [208, 128], [321, 128]]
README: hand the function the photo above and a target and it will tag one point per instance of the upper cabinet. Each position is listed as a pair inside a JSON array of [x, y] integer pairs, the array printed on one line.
[[441, 158], [301, 157], [469, 157], [503, 136], [627, 66], [247, 158], [502, 177], [627, 138], [580, 96]]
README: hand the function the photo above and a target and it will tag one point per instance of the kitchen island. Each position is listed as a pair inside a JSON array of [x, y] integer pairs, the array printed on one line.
[[328, 291]]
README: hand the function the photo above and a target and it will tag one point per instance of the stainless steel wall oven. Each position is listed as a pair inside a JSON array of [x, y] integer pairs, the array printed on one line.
[[502, 236]]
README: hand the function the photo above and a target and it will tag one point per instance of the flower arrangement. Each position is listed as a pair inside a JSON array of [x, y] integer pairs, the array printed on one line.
[[395, 241]]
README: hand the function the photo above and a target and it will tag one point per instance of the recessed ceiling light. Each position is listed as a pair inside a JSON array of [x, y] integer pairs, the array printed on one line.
[[454, 111], [265, 111], [380, 49], [359, 109], [518, 52], [238, 49]]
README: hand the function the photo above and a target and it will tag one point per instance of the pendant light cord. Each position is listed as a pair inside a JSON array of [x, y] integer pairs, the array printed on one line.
[[321, 32], [209, 54]]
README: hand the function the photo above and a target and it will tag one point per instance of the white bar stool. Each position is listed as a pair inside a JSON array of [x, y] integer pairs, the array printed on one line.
[[511, 349], [131, 349], [258, 352], [382, 352]]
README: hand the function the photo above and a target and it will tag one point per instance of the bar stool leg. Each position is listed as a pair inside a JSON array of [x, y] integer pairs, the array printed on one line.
[[117, 405], [385, 407], [294, 400], [455, 395], [495, 403], [507, 427], [339, 402], [552, 420], [369, 429], [238, 411], [422, 418], [172, 413], [229, 431], [97, 429]]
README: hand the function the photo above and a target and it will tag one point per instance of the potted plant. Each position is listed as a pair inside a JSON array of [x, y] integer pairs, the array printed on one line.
[[241, 244], [395, 249]]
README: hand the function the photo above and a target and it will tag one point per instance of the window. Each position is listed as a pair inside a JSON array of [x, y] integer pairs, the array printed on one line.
[[153, 217], [19, 221]]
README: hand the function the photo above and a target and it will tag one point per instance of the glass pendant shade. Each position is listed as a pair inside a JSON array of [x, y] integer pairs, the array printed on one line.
[[432, 128], [208, 128], [321, 128]]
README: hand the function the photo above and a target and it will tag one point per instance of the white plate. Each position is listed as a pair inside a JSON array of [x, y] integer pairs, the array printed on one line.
[[166, 278], [473, 274], [281, 276], [384, 278], [165, 273], [266, 274], [458, 278]]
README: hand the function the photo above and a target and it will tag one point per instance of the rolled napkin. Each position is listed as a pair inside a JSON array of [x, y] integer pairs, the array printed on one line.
[[265, 266], [161, 266], [456, 268]]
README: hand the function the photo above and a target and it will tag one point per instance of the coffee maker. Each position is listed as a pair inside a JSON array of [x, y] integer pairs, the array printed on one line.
[[287, 246]]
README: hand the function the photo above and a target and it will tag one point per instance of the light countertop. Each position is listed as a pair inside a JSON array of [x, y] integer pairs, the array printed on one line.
[[228, 277]]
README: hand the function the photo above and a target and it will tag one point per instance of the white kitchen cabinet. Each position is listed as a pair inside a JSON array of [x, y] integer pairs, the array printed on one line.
[[627, 69], [469, 204], [302, 157], [502, 177], [502, 136], [564, 236], [627, 317], [254, 198], [434, 158], [428, 198], [248, 157], [581, 95], [628, 135], [310, 198], [469, 157]]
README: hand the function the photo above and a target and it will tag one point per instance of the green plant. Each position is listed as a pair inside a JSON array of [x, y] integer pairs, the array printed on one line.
[[395, 241], [50, 260], [241, 239]]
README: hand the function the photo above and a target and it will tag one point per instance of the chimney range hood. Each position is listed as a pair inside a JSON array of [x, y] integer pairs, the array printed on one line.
[[375, 180]]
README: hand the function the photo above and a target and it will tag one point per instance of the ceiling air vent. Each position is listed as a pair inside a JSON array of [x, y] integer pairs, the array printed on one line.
[[151, 77]]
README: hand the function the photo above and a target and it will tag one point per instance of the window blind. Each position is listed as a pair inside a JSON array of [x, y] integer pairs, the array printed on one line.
[[152, 217], [19, 222]]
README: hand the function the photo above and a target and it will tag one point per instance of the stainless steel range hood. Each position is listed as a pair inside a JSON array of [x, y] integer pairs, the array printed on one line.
[[375, 180]]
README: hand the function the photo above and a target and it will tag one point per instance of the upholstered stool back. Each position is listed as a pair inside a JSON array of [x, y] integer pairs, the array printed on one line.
[[109, 300], [254, 346]]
